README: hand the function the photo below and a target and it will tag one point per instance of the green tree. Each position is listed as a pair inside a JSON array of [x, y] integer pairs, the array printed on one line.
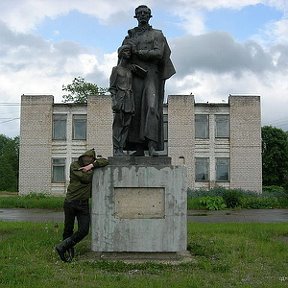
[[9, 159], [274, 156], [79, 90]]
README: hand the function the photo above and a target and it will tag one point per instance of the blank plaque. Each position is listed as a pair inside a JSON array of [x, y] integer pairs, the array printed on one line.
[[139, 202]]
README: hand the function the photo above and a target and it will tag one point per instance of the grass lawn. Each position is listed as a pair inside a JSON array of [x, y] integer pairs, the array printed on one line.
[[226, 255], [41, 201]]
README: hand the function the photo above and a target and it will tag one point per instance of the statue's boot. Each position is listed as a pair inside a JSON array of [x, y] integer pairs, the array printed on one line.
[[139, 151], [118, 152], [152, 150], [63, 247]]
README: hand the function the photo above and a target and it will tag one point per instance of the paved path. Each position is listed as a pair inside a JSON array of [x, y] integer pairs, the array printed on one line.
[[32, 215], [254, 215], [243, 215]]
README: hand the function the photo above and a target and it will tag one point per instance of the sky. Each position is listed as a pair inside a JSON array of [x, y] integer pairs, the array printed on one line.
[[219, 48]]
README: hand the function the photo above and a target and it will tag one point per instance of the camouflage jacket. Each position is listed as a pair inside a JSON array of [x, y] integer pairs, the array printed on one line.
[[80, 185]]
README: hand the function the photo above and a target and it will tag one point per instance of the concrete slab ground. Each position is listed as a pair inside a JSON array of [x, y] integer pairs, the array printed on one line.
[[143, 257]]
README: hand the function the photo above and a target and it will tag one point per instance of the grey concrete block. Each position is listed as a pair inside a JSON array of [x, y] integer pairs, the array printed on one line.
[[113, 231]]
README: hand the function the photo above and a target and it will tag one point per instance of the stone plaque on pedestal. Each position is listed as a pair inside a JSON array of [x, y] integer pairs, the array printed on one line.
[[139, 204]]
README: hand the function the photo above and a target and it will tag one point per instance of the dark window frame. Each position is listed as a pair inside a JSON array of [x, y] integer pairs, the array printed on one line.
[[218, 129], [59, 130], [206, 174], [219, 165], [202, 132], [79, 118], [56, 168]]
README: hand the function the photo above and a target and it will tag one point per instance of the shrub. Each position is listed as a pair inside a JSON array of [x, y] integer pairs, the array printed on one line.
[[212, 203], [258, 202], [217, 191], [232, 198], [272, 197], [273, 189], [194, 203]]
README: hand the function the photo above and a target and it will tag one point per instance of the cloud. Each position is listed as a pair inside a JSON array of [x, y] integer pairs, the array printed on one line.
[[193, 13], [21, 52], [182, 5], [218, 52], [25, 15], [32, 65], [277, 32]]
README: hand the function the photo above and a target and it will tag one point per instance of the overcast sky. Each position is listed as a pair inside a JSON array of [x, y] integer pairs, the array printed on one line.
[[219, 47]]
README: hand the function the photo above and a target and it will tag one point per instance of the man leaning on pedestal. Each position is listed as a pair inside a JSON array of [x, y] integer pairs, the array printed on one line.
[[76, 204]]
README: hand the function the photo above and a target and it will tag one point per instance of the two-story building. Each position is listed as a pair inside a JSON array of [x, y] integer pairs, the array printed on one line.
[[220, 144]]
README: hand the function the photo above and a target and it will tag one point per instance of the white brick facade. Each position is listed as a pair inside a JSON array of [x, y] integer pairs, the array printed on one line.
[[99, 125], [242, 147], [181, 140], [35, 144], [245, 143]]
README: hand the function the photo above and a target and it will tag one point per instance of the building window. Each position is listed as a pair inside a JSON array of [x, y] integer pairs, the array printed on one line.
[[58, 170], [222, 169], [59, 126], [222, 126], [165, 132], [202, 169], [165, 127], [164, 152], [202, 126], [79, 127]]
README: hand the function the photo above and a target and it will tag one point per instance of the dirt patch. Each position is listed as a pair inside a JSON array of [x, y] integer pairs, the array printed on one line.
[[283, 238], [8, 194]]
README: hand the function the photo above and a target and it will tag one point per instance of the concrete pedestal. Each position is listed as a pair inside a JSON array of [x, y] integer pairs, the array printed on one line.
[[139, 204]]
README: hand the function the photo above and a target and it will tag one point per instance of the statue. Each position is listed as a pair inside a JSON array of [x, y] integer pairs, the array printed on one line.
[[150, 52]]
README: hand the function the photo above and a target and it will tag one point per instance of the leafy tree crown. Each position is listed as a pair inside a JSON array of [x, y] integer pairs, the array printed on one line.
[[79, 90]]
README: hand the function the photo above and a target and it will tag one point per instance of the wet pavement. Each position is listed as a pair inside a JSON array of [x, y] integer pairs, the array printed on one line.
[[31, 215], [204, 216], [238, 216]]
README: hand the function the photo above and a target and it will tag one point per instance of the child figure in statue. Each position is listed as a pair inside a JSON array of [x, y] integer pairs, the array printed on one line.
[[122, 97]]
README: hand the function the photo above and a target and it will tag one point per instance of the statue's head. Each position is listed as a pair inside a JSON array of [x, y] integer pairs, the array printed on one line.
[[143, 14], [124, 51]]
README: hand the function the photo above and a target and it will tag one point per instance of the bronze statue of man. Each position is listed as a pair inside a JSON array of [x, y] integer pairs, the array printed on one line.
[[151, 52]]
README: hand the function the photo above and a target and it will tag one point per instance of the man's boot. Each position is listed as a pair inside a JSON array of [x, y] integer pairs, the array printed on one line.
[[62, 247], [71, 253]]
